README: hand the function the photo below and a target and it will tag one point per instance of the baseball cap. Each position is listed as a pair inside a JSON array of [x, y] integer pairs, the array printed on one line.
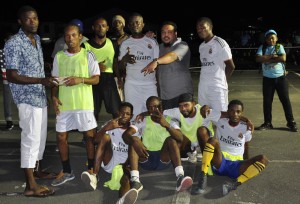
[[270, 32], [77, 22]]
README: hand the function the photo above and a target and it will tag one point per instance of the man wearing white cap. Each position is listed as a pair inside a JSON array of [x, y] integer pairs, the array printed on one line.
[[118, 36]]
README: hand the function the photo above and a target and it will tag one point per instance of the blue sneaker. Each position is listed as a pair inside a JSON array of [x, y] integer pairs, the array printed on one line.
[[62, 178]]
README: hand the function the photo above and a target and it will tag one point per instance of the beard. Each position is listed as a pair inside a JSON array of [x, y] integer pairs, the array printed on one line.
[[100, 36], [186, 114]]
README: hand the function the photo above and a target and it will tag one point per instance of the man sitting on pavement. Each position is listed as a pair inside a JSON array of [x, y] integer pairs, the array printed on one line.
[[228, 150], [153, 144], [188, 113], [111, 149]]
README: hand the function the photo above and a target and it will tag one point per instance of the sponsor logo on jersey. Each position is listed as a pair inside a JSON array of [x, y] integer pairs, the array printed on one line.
[[205, 63], [241, 135]]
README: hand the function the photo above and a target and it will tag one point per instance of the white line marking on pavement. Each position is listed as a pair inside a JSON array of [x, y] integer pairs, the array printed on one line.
[[181, 198], [285, 161], [241, 202]]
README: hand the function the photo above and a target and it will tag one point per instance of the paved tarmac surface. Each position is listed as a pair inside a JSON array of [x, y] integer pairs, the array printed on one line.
[[278, 183]]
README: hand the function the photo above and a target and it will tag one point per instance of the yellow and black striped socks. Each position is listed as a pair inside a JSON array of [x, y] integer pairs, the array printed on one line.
[[208, 154], [251, 171]]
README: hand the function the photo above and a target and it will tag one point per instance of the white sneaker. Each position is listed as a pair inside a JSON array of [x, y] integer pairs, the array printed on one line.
[[192, 157], [199, 154], [129, 197], [90, 180]]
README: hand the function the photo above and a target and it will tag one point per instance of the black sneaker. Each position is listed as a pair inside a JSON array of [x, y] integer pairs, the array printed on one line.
[[9, 125], [292, 126], [229, 186], [202, 183], [183, 183], [266, 126], [136, 185]]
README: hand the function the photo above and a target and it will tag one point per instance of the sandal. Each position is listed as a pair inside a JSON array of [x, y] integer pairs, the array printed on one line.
[[42, 192], [44, 175]]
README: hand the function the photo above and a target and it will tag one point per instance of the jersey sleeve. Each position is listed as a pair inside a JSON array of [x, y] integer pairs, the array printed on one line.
[[156, 50], [181, 50], [173, 113], [122, 50], [259, 51], [94, 69], [54, 71], [281, 50], [174, 123], [248, 136], [139, 128]]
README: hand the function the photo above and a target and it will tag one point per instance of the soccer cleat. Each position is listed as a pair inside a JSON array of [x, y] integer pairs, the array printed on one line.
[[183, 183], [202, 183], [136, 185], [90, 180], [129, 197], [229, 186]]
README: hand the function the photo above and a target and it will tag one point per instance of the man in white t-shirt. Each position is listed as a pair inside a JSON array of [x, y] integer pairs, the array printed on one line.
[[136, 53], [216, 67], [227, 152]]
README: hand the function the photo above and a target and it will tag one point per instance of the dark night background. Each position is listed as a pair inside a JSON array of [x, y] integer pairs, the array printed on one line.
[[230, 18], [226, 16]]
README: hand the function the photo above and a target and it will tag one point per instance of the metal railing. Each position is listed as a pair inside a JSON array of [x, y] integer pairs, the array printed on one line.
[[244, 59]]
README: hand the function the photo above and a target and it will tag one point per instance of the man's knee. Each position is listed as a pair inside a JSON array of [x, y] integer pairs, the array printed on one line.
[[263, 159], [90, 133], [203, 133], [213, 141]]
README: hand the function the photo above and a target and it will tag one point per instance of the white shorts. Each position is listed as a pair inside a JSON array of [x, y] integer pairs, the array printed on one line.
[[33, 122], [82, 121], [111, 164], [137, 96], [214, 97]]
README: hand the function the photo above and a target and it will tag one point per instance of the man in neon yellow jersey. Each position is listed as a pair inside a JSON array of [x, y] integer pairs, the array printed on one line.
[[76, 70], [188, 113], [153, 145], [103, 49]]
